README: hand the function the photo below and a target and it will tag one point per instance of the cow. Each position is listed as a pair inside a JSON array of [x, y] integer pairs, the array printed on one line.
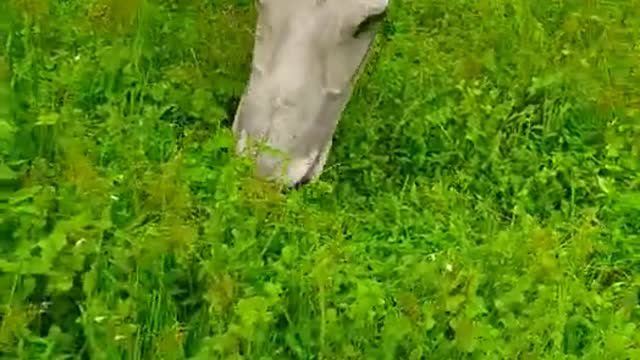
[[307, 56]]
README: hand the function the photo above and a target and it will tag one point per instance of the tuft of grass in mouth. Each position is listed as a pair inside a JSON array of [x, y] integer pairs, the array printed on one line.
[[482, 199]]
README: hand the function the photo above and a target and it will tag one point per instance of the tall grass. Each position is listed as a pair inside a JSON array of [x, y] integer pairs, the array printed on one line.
[[482, 200]]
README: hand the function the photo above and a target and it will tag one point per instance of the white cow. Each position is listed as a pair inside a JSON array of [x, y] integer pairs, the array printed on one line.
[[307, 55]]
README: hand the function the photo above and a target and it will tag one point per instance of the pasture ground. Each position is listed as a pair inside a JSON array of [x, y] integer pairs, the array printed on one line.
[[482, 200]]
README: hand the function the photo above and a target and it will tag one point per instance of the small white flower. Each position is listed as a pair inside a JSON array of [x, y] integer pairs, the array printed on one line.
[[449, 268], [44, 306]]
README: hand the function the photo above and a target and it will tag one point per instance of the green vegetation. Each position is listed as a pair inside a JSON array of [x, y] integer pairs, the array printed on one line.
[[482, 200]]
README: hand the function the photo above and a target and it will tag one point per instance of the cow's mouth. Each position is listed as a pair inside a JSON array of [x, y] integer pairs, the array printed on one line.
[[308, 176]]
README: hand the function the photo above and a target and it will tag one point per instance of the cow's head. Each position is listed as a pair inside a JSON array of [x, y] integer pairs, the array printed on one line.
[[307, 55]]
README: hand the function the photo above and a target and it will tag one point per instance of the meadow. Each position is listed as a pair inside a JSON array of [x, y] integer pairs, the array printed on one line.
[[482, 199]]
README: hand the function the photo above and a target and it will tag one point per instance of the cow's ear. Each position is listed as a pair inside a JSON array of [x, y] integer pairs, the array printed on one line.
[[364, 15], [369, 24]]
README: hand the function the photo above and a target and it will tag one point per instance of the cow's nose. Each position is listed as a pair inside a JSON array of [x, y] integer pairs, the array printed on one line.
[[298, 170]]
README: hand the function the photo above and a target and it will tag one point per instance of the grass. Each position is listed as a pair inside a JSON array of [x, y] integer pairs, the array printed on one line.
[[482, 200]]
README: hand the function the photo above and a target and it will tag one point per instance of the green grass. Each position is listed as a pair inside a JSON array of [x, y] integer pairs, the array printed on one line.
[[482, 200]]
